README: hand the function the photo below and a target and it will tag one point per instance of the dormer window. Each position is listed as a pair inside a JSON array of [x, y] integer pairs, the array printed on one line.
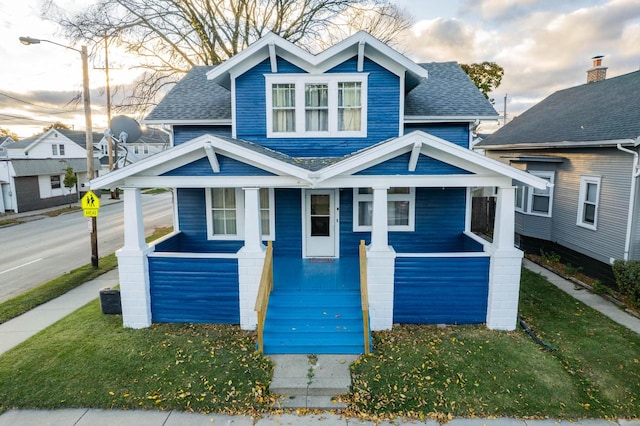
[[329, 105]]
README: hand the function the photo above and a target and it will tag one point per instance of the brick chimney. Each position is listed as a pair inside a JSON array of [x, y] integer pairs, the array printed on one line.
[[598, 72]]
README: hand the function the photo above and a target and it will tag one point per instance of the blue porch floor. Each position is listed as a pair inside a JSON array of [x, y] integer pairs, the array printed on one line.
[[317, 274], [314, 307]]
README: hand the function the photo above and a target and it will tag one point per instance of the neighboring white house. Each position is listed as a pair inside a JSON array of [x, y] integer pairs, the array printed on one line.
[[32, 170], [151, 142]]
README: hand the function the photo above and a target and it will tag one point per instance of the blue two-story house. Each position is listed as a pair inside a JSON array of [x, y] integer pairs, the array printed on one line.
[[282, 162]]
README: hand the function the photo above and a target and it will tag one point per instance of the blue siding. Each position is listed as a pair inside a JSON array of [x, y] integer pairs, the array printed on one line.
[[194, 290], [183, 134], [399, 166], [455, 133], [383, 111], [441, 290], [228, 167], [192, 216], [288, 223], [439, 220]]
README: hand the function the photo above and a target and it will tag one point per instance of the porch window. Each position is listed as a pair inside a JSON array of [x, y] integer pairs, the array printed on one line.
[[225, 213], [400, 209], [327, 105], [588, 201]]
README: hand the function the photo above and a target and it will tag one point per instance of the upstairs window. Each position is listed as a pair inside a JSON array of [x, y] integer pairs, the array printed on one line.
[[54, 149], [329, 105], [61, 149], [589, 200]]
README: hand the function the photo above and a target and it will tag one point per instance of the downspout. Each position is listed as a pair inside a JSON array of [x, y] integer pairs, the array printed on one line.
[[635, 173]]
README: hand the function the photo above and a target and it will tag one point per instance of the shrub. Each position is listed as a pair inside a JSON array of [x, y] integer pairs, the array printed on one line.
[[627, 275], [549, 257]]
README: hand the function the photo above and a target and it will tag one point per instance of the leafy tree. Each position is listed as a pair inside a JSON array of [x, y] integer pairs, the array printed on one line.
[[171, 36], [70, 180], [57, 125], [487, 76], [6, 132]]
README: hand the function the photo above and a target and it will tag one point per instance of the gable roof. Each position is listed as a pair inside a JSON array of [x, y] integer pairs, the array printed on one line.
[[589, 114], [361, 44], [311, 172], [449, 92], [77, 136], [37, 167]]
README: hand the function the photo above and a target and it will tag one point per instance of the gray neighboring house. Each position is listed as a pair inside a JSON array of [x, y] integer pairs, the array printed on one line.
[[32, 170], [585, 141]]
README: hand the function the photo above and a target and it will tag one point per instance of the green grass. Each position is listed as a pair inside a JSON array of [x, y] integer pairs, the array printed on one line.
[[89, 360], [466, 370], [60, 285]]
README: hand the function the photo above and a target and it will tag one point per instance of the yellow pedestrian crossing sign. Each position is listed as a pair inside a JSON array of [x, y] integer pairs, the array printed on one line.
[[90, 204]]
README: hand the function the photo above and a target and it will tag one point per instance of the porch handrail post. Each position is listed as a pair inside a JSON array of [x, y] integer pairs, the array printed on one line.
[[379, 222], [252, 221]]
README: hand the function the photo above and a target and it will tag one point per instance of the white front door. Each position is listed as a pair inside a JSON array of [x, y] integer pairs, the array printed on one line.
[[321, 224]]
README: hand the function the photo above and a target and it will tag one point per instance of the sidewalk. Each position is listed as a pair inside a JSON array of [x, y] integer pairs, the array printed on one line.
[[84, 417]]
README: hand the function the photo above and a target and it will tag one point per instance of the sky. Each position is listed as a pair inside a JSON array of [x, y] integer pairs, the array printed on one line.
[[543, 46]]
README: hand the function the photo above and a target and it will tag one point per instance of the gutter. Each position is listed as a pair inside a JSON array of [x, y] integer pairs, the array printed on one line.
[[632, 197]]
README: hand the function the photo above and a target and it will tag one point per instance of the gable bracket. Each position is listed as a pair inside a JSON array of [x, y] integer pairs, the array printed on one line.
[[213, 158], [415, 154], [273, 58], [361, 45]]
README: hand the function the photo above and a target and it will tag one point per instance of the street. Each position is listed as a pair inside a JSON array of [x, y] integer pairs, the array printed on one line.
[[37, 251]]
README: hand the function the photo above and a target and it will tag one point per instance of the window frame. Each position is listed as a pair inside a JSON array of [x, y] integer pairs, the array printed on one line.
[[300, 81], [239, 235], [585, 180], [410, 197], [55, 185], [527, 193]]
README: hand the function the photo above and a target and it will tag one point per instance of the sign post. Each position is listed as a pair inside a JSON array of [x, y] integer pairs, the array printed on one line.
[[90, 206]]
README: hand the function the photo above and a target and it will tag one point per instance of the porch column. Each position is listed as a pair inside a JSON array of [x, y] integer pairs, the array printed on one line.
[[381, 259], [506, 262], [379, 222], [250, 259], [133, 266]]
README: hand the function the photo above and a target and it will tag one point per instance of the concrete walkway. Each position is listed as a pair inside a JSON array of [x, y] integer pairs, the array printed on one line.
[[19, 329]]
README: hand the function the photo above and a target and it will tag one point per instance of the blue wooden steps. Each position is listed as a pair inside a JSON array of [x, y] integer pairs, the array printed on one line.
[[316, 322]]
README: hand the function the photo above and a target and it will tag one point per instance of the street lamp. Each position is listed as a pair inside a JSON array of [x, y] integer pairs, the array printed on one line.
[[89, 131]]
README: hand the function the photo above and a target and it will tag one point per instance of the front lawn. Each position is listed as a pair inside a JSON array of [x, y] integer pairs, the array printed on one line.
[[89, 360], [467, 370]]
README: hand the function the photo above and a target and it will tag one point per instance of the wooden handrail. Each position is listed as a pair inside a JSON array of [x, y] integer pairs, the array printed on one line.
[[264, 291], [364, 295]]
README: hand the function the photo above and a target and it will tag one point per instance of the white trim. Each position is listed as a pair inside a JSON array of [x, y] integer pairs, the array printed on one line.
[[415, 154], [531, 193], [457, 254], [239, 208], [410, 197], [213, 159], [186, 255], [240, 215], [273, 59], [582, 199], [234, 112], [417, 119], [332, 80]]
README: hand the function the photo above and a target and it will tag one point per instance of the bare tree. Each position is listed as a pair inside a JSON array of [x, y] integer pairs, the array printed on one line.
[[171, 36]]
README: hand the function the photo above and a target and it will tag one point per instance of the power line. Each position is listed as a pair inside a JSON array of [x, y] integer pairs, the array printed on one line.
[[57, 111], [17, 117]]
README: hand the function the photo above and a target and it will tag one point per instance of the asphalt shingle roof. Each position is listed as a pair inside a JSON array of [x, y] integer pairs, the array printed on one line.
[[447, 92], [77, 136], [194, 98], [36, 167], [600, 111]]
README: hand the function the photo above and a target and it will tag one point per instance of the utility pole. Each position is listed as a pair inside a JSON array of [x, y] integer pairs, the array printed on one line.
[[504, 113]]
